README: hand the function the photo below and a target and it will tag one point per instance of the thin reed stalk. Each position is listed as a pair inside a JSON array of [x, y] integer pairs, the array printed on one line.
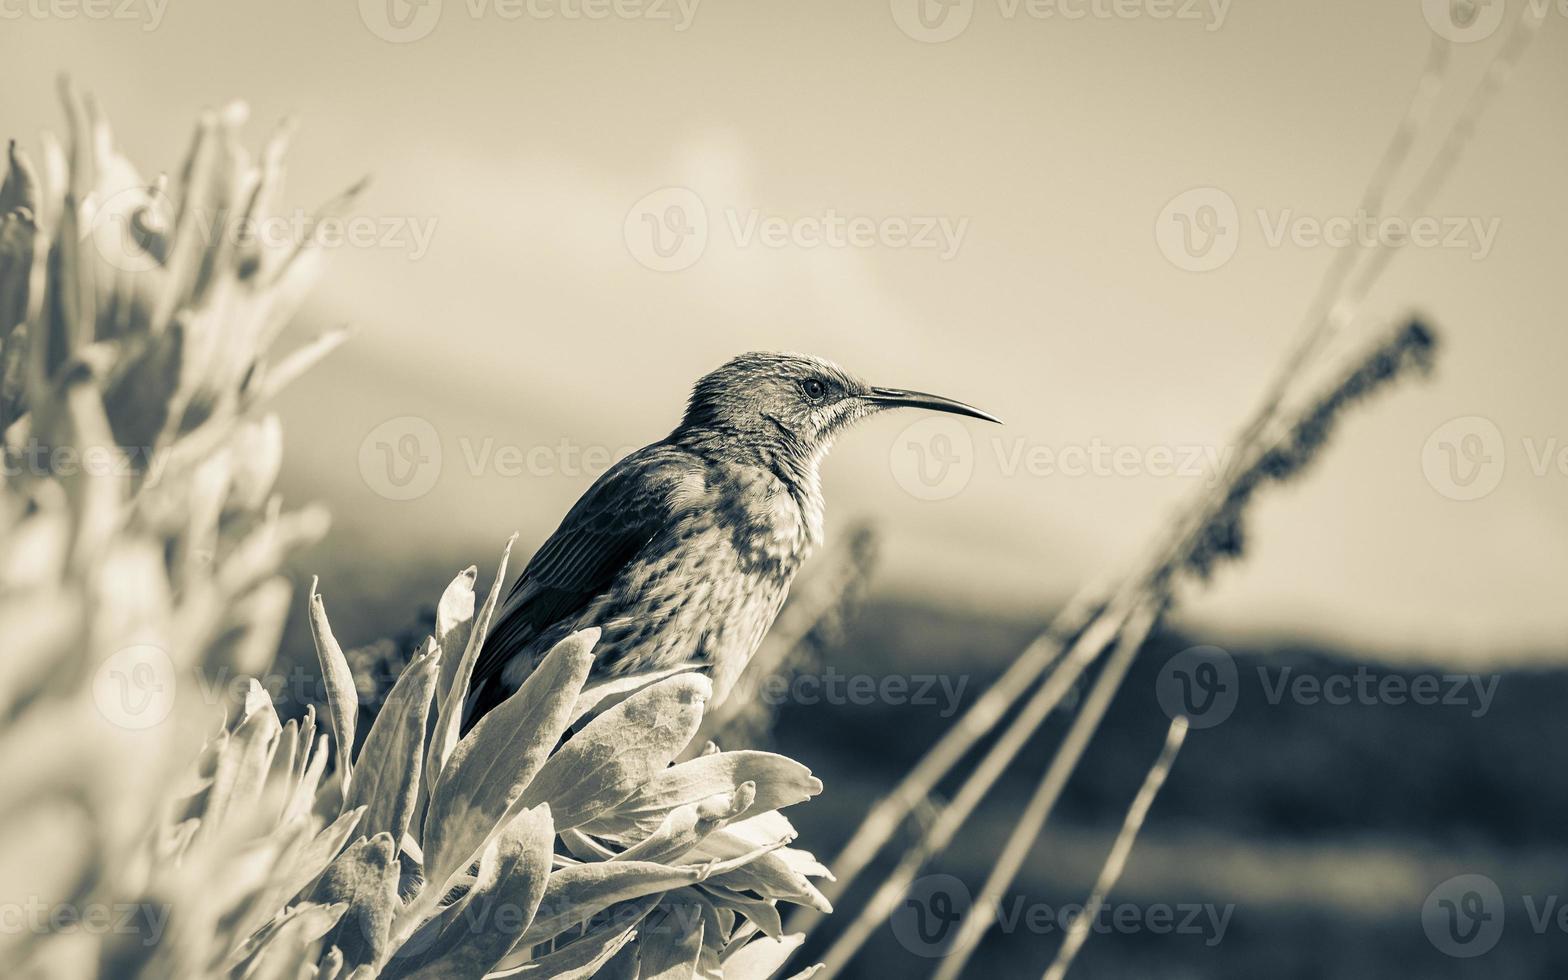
[[1209, 533], [916, 787], [1032, 821], [1117, 859], [1206, 530]]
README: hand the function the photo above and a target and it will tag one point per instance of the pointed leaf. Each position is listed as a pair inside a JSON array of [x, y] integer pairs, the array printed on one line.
[[454, 623], [671, 944], [283, 952], [620, 750], [603, 693], [458, 630], [386, 774], [495, 762], [317, 853], [687, 826], [342, 698], [582, 958], [576, 893], [242, 769], [364, 879], [780, 782], [761, 958], [484, 925], [763, 914], [771, 877]]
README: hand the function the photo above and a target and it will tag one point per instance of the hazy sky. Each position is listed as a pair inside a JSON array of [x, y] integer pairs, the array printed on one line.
[[998, 216]]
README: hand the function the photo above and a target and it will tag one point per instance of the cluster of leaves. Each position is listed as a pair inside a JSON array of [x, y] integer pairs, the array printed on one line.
[[158, 819], [140, 541], [555, 838]]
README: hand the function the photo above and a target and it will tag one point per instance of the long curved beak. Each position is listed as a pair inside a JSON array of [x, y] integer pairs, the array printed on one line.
[[899, 398]]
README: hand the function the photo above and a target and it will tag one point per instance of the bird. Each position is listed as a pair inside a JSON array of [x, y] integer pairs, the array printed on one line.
[[683, 552]]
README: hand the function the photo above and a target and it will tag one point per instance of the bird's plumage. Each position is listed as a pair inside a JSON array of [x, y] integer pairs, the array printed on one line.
[[684, 551]]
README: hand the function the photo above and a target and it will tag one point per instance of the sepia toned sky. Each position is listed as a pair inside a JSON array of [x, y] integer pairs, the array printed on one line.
[[1100, 220]]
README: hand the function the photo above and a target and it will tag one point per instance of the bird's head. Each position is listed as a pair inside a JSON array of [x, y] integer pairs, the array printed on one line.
[[792, 405]]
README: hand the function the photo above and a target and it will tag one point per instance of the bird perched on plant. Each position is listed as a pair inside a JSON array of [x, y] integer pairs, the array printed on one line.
[[683, 551]]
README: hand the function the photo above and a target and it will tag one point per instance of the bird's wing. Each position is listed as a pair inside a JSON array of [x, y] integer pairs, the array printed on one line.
[[624, 510]]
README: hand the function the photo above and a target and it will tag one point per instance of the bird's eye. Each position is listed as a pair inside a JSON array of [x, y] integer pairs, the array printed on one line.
[[813, 388]]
